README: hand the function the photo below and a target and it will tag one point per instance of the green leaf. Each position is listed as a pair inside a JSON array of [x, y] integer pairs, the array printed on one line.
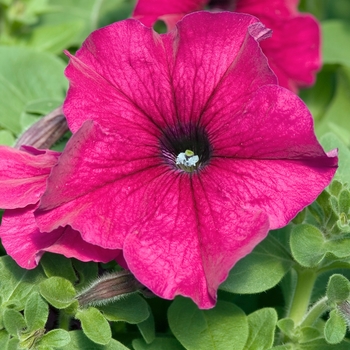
[[131, 309], [55, 338], [336, 38], [338, 289], [320, 95], [260, 270], [335, 119], [4, 339], [55, 38], [13, 344], [223, 327], [157, 344], [94, 325], [58, 291], [262, 324], [36, 312], [6, 138], [321, 344], [87, 272], [58, 265], [330, 141], [26, 76], [16, 284], [79, 341], [92, 13], [147, 328], [335, 328], [14, 322], [307, 245]]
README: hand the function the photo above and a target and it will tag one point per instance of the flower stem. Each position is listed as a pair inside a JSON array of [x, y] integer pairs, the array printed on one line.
[[64, 320], [301, 299]]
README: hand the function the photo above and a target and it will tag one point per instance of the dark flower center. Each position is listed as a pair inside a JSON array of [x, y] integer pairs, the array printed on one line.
[[186, 147]]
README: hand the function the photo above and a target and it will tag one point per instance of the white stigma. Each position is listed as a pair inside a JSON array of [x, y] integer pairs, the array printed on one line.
[[187, 158]]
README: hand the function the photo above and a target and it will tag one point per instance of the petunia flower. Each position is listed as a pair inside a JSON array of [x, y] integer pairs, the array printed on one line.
[[293, 51], [23, 175], [184, 151]]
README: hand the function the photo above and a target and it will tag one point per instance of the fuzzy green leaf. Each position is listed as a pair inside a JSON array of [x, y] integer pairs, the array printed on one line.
[[87, 272], [157, 344], [335, 328], [36, 312], [223, 327], [147, 328], [27, 76], [6, 138], [59, 266], [307, 245], [260, 270], [55, 338], [336, 36], [58, 291], [14, 322], [94, 325], [131, 309], [330, 141], [338, 289], [16, 284], [79, 341], [262, 324]]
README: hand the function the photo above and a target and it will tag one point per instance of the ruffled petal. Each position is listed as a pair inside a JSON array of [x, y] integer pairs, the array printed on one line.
[[23, 175], [24, 242]]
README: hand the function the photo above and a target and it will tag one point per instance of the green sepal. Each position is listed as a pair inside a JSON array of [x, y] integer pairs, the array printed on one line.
[[306, 334], [287, 326], [335, 187], [94, 325], [335, 328], [344, 201], [223, 327], [262, 324], [338, 289], [58, 291]]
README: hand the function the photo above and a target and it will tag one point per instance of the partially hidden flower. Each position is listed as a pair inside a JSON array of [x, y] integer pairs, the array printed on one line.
[[184, 151], [23, 175], [293, 51]]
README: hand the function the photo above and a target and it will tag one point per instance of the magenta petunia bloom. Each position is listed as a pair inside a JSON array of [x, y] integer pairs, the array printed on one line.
[[184, 151], [293, 51], [23, 175]]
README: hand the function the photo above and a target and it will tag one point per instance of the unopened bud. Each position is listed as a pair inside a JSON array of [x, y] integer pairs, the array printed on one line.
[[108, 288], [46, 131]]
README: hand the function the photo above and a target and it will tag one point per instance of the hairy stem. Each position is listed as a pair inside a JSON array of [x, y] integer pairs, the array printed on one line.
[[302, 294]]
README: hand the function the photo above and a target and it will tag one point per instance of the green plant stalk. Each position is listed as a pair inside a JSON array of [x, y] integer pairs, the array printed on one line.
[[300, 302], [64, 320]]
